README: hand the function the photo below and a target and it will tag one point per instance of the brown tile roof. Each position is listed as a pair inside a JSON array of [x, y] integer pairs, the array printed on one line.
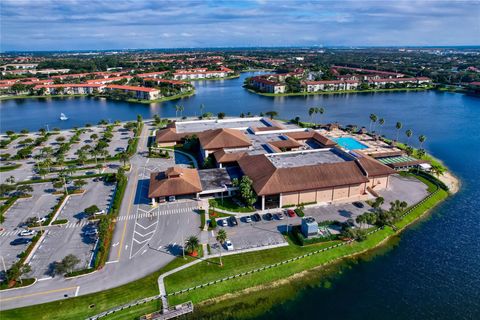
[[174, 181], [256, 129], [267, 179], [170, 134], [222, 157], [311, 134], [289, 143], [373, 168], [223, 138]]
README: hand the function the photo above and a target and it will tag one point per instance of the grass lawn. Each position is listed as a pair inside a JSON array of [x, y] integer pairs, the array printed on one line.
[[229, 205], [205, 272], [136, 312], [78, 307]]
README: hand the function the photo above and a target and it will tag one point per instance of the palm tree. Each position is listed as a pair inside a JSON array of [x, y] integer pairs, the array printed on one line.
[[177, 109], [124, 157], [373, 119], [191, 244], [311, 111], [409, 133], [399, 126], [422, 139], [202, 109], [381, 122], [320, 110], [272, 114], [221, 238]]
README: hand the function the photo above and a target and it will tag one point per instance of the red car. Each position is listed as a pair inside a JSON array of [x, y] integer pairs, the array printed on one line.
[[291, 213]]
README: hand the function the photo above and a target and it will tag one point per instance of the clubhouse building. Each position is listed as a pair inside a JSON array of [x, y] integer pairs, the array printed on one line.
[[288, 165]]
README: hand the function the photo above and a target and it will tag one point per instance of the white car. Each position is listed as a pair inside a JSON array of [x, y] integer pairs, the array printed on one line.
[[229, 245], [26, 233], [41, 220], [99, 212]]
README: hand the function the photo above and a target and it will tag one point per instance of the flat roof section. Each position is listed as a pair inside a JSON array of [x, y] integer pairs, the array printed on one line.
[[300, 159], [213, 179], [199, 126]]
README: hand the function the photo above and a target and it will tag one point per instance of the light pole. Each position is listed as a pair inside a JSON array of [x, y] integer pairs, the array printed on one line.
[[225, 188]]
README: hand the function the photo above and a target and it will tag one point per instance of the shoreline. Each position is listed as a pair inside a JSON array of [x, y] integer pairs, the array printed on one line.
[[299, 94], [62, 96], [303, 274]]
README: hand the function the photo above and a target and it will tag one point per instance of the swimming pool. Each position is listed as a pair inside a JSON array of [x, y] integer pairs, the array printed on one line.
[[350, 143]]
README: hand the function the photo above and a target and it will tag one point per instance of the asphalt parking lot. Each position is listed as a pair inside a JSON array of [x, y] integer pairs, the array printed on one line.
[[96, 193], [40, 204], [58, 243]]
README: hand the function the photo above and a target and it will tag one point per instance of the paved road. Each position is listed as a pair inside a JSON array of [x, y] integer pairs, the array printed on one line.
[[145, 239]]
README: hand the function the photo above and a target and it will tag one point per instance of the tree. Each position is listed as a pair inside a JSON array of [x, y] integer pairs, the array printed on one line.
[[271, 114], [66, 265], [399, 126], [177, 109], [221, 238], [408, 133], [191, 244], [437, 169], [378, 202], [139, 118], [94, 137], [90, 211], [79, 183], [247, 193], [124, 157], [202, 108], [24, 189], [311, 111], [422, 139], [221, 115], [381, 122], [373, 119]]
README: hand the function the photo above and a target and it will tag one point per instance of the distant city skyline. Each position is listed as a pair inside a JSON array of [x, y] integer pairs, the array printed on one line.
[[43, 25]]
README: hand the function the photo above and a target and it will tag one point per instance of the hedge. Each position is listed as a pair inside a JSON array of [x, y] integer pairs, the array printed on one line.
[[79, 272]]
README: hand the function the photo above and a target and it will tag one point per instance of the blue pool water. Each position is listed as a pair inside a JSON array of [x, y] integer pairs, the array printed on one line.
[[350, 143]]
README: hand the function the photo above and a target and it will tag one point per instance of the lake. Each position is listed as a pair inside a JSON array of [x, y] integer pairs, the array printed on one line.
[[434, 270]]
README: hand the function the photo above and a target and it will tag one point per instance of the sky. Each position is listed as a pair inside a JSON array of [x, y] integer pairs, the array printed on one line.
[[135, 24]]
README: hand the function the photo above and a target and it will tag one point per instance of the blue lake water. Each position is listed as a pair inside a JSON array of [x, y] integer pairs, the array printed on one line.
[[433, 272]]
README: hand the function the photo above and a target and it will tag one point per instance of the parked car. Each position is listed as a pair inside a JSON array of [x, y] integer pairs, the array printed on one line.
[[256, 217], [171, 198], [291, 213], [99, 212], [279, 216], [91, 232], [41, 220], [358, 204], [268, 216], [26, 233], [229, 245], [233, 221], [225, 222], [20, 241], [350, 222], [248, 219]]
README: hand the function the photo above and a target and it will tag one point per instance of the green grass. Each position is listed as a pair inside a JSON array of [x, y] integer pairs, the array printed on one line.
[[79, 307], [25, 96], [229, 205], [136, 312], [10, 168], [206, 272]]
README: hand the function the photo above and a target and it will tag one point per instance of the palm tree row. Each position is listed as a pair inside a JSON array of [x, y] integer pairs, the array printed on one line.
[[398, 126]]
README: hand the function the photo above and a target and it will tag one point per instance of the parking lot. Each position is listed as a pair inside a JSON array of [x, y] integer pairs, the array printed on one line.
[[96, 193], [59, 242], [268, 232], [39, 205]]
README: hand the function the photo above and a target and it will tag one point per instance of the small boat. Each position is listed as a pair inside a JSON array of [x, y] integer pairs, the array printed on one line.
[[63, 117]]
